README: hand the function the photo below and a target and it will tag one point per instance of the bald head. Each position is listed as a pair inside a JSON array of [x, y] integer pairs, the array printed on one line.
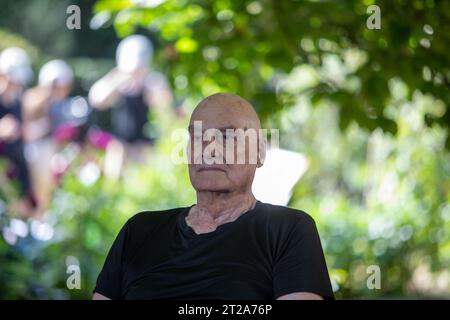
[[226, 109]]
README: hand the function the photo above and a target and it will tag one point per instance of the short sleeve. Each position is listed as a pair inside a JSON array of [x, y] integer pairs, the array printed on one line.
[[109, 281], [301, 266]]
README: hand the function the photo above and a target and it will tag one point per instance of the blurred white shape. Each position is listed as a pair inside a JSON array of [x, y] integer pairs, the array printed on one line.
[[211, 53], [89, 174], [9, 236], [18, 227], [41, 231], [274, 181], [114, 159], [99, 20], [254, 7], [445, 212], [79, 107], [55, 72], [379, 228], [428, 29], [134, 52], [15, 63], [386, 191], [425, 43], [148, 3]]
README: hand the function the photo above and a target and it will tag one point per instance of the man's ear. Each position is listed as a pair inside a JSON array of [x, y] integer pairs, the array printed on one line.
[[262, 145]]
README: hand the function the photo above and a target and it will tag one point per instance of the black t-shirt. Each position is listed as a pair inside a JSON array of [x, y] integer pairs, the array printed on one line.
[[265, 253]]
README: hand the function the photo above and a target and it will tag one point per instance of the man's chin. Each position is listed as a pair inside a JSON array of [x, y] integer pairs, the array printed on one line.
[[210, 187]]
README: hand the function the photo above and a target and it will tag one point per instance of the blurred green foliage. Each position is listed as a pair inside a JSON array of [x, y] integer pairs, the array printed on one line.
[[242, 46], [369, 109]]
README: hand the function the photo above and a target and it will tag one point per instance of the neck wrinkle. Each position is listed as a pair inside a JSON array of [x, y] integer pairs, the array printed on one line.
[[211, 212]]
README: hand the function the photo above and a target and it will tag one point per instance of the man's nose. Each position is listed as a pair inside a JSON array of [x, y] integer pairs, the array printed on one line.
[[216, 146]]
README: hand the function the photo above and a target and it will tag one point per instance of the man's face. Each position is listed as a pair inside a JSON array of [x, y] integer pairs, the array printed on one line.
[[230, 175]]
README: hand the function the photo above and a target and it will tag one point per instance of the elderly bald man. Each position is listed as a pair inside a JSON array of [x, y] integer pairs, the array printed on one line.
[[227, 246]]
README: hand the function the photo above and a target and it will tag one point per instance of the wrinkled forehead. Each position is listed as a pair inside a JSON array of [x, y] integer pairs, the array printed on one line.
[[225, 113]]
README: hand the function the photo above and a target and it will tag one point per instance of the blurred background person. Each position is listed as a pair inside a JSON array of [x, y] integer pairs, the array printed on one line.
[[68, 115], [54, 120], [15, 74], [130, 90]]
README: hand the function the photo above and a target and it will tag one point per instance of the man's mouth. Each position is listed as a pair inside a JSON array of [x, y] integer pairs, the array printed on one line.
[[211, 168]]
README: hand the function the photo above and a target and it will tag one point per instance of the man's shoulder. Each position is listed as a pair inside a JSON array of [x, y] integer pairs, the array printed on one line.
[[283, 214], [289, 223]]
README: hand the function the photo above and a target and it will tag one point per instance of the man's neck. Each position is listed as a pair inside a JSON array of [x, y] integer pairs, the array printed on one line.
[[215, 208]]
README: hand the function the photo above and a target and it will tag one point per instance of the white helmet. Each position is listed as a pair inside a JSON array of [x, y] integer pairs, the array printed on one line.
[[15, 64], [134, 52], [55, 72]]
